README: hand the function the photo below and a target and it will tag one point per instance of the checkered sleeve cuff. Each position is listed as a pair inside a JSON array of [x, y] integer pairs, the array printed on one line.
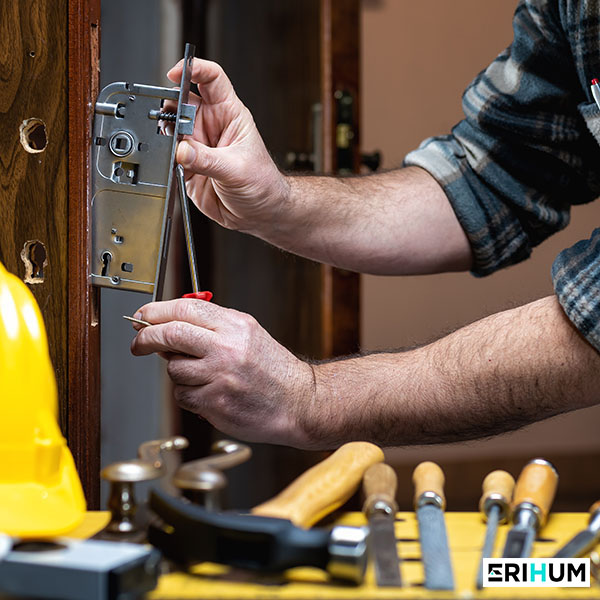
[[576, 278], [496, 236]]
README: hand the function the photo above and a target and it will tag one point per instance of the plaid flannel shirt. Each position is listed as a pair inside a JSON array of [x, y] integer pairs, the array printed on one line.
[[528, 149]]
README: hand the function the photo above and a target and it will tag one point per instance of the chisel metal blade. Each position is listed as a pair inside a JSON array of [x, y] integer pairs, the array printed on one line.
[[429, 505], [585, 540], [488, 543], [581, 544], [385, 553], [519, 542], [379, 484], [434, 548]]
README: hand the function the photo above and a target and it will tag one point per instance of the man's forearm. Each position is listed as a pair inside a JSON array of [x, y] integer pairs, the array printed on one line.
[[394, 223], [399, 222], [495, 375]]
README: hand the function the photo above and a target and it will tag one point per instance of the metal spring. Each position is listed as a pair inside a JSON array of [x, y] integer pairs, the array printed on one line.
[[166, 116]]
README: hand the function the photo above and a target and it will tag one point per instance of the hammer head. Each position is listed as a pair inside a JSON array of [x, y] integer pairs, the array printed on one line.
[[190, 534]]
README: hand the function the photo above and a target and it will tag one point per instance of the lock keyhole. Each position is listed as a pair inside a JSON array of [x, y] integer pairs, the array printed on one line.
[[106, 258], [37, 256]]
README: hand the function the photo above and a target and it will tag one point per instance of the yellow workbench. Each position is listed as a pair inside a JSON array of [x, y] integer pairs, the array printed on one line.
[[465, 533]]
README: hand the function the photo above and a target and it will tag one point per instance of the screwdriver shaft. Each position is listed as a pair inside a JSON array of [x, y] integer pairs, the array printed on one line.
[[187, 227]]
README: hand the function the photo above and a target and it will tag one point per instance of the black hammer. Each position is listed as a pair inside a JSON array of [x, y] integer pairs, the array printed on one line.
[[276, 536]]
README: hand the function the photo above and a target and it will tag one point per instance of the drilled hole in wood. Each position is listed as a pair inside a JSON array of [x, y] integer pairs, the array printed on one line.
[[33, 135], [35, 259]]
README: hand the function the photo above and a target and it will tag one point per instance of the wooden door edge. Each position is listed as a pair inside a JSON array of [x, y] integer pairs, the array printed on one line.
[[81, 409], [340, 290]]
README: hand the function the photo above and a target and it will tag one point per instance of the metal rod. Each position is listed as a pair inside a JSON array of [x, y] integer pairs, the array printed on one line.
[[138, 321]]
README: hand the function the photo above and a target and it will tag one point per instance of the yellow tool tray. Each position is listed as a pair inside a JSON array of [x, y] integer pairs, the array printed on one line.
[[465, 532]]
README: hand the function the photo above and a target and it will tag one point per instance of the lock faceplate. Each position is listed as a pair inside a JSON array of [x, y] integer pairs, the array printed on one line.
[[133, 181]]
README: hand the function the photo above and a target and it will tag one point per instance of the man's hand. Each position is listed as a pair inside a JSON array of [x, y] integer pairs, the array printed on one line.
[[388, 223], [497, 374], [231, 177], [229, 370]]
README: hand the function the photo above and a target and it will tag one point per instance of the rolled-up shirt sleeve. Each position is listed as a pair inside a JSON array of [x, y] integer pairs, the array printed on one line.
[[576, 278], [522, 155]]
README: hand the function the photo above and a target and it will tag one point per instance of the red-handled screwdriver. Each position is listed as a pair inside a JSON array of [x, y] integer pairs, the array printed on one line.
[[199, 296], [189, 240]]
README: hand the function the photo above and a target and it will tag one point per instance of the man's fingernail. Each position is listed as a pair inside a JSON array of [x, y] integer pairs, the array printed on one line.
[[138, 315], [186, 154]]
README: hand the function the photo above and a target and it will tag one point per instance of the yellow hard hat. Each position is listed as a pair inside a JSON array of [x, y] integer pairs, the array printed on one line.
[[40, 492]]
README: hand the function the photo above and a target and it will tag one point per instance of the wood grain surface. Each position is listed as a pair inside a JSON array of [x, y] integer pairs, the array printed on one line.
[[47, 53], [34, 186]]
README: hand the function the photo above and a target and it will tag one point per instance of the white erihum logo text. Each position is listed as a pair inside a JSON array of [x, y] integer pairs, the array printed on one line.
[[536, 572]]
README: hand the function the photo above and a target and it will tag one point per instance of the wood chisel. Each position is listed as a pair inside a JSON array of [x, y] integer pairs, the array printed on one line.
[[379, 485], [275, 537], [533, 496], [585, 540], [430, 502], [495, 507]]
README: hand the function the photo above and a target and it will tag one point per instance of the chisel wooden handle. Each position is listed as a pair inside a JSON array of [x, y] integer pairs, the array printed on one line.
[[429, 480], [498, 489], [324, 487], [379, 486], [536, 485]]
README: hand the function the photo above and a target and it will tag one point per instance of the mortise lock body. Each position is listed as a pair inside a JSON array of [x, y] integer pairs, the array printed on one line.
[[133, 181]]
